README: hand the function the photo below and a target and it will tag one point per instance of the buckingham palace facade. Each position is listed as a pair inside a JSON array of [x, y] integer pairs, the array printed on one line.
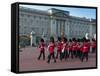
[[53, 22]]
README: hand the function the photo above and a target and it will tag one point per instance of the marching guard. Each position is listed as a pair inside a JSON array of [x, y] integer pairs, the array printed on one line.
[[59, 48], [85, 50], [42, 49], [74, 49], [64, 52], [51, 48]]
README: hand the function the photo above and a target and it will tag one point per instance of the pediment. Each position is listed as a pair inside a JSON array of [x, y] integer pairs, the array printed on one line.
[[59, 13]]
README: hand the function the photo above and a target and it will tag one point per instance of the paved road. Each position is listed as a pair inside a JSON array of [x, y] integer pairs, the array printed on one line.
[[28, 61]]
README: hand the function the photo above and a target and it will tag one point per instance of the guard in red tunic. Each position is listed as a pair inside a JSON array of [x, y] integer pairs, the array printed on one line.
[[51, 48], [74, 49], [81, 50], [42, 49], [78, 49], [85, 50], [64, 52], [70, 48], [59, 47], [66, 49]]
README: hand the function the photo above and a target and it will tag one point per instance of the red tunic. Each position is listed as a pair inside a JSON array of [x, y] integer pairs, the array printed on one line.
[[81, 48], [94, 45], [78, 47], [51, 47], [85, 47], [62, 43], [41, 46], [74, 46], [87, 44], [66, 47], [59, 46], [70, 46]]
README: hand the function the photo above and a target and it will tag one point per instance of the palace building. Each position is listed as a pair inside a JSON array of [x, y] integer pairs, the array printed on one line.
[[54, 22]]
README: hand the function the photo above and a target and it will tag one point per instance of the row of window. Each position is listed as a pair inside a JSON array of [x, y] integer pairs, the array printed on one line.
[[34, 17], [34, 22], [78, 22], [38, 30]]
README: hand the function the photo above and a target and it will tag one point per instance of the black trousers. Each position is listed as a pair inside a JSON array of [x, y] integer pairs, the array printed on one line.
[[64, 55], [51, 55], [58, 54], [79, 54], [93, 50], [70, 53], [84, 55], [42, 53], [73, 53]]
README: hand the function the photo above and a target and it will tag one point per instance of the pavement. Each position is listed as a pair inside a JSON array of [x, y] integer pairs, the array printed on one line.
[[28, 61]]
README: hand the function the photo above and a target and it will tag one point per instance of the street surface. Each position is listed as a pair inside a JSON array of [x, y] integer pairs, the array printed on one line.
[[28, 61]]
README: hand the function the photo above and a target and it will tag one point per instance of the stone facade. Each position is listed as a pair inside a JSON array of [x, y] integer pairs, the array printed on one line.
[[53, 22]]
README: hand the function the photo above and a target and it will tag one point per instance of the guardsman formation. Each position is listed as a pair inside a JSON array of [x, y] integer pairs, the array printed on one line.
[[67, 49]]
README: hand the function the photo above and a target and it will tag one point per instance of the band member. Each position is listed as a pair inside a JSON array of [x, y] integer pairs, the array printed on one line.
[[51, 48], [78, 49], [74, 48], [64, 52], [59, 47], [70, 47], [88, 44], [42, 49], [62, 49], [85, 50]]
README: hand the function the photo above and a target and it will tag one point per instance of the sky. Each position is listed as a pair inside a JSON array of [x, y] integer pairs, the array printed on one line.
[[78, 12]]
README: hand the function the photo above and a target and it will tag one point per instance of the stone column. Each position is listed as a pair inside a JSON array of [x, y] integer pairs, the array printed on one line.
[[59, 28], [67, 28], [53, 28]]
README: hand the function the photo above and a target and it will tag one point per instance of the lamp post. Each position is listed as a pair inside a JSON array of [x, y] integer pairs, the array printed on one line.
[[90, 33]]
